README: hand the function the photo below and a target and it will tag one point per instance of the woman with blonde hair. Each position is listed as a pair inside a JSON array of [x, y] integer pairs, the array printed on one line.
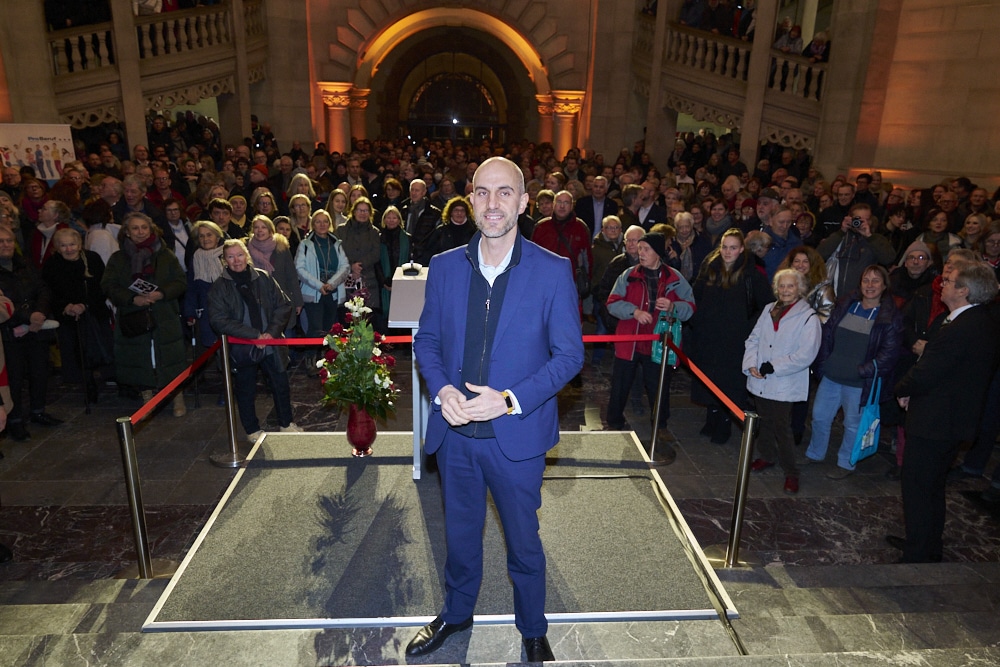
[[245, 302], [730, 293], [322, 269], [271, 254], [336, 206], [204, 268]]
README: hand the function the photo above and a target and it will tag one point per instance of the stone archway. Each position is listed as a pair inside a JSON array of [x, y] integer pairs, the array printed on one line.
[[370, 45]]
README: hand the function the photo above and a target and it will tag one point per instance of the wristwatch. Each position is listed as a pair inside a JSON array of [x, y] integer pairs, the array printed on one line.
[[507, 399]]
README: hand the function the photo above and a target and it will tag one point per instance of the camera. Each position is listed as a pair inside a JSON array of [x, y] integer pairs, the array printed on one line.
[[856, 222]]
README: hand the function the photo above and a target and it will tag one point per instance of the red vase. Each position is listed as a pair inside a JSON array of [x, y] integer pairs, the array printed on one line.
[[361, 430]]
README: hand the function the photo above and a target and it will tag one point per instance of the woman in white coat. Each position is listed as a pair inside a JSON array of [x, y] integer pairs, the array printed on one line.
[[778, 354]]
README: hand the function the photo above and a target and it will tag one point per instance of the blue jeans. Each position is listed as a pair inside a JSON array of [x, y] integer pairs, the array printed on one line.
[[831, 396]]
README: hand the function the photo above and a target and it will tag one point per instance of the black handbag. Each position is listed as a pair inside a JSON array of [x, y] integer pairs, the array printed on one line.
[[136, 323]]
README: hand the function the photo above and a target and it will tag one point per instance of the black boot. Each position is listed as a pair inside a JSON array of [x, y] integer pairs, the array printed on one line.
[[711, 419], [723, 428]]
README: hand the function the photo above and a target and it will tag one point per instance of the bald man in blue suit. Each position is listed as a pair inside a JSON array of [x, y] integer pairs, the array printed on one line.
[[499, 337]]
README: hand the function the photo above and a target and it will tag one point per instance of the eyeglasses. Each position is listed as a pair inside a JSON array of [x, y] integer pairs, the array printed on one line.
[[992, 241], [948, 281], [916, 258]]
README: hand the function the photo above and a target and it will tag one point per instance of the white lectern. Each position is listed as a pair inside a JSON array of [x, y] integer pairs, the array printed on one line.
[[404, 313]]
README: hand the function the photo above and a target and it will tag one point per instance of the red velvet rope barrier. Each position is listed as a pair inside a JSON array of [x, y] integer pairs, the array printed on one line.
[[161, 395]]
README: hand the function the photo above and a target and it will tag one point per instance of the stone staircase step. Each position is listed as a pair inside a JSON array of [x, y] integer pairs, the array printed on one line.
[[316, 647]]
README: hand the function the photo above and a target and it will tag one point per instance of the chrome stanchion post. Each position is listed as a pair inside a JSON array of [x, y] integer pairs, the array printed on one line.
[[742, 485], [659, 394], [134, 494], [232, 458]]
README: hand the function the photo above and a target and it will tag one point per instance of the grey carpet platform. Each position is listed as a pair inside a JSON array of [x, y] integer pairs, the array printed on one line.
[[307, 537]]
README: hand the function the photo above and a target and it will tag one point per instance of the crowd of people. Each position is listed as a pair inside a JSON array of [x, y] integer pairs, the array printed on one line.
[[787, 284]]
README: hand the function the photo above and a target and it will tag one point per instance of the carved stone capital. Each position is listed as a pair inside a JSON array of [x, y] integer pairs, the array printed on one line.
[[335, 94], [567, 102], [359, 98]]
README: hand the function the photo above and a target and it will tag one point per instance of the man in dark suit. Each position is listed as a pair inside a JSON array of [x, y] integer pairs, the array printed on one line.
[[596, 206], [943, 395], [495, 415]]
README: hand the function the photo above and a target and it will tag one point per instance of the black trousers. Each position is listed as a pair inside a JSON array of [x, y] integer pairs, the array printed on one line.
[[623, 374], [925, 470], [28, 362]]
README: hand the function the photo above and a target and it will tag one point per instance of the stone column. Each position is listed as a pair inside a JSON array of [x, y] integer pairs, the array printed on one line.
[[545, 111], [566, 105], [234, 109], [760, 67], [127, 60], [809, 8], [27, 94], [659, 139], [336, 101], [359, 104]]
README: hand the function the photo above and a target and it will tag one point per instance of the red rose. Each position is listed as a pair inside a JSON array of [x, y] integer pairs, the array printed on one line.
[[336, 329], [330, 355], [390, 361]]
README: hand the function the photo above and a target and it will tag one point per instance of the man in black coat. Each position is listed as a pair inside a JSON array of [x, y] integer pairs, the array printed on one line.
[[420, 218], [943, 395]]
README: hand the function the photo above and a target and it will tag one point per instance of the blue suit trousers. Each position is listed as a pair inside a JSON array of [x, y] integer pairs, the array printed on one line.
[[469, 467]]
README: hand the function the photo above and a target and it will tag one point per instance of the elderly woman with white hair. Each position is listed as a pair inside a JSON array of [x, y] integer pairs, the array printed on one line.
[[776, 361], [246, 302]]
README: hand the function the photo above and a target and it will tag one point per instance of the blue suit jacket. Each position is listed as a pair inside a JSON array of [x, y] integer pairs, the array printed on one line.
[[537, 348]]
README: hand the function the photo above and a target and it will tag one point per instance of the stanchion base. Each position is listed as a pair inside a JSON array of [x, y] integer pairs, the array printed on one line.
[[227, 460], [161, 568], [716, 557]]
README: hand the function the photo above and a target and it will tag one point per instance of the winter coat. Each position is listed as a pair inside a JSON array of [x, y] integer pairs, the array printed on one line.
[[630, 293], [790, 350], [884, 343], [307, 266], [361, 243], [719, 328], [228, 313], [134, 357]]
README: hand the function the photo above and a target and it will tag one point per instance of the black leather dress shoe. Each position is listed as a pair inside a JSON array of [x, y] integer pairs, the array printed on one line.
[[45, 419], [537, 649], [432, 635]]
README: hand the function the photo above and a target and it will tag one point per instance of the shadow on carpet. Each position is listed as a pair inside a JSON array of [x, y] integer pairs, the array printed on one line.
[[309, 537]]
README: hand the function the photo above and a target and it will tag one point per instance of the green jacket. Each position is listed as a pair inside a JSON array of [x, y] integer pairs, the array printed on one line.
[[134, 356]]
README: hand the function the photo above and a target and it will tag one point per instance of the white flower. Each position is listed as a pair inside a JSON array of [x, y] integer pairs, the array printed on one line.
[[376, 352], [320, 362]]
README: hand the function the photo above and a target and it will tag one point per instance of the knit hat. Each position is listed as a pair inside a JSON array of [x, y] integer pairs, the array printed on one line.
[[657, 242], [262, 168], [769, 193], [917, 246], [752, 203]]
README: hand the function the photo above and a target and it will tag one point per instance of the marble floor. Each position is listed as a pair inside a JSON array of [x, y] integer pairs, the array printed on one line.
[[63, 506]]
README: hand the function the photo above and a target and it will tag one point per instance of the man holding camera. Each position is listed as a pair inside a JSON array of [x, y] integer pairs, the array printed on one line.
[[855, 247]]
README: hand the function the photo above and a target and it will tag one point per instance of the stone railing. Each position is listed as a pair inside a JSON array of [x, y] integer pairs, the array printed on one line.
[[89, 47], [795, 75], [182, 31], [253, 15], [707, 52]]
